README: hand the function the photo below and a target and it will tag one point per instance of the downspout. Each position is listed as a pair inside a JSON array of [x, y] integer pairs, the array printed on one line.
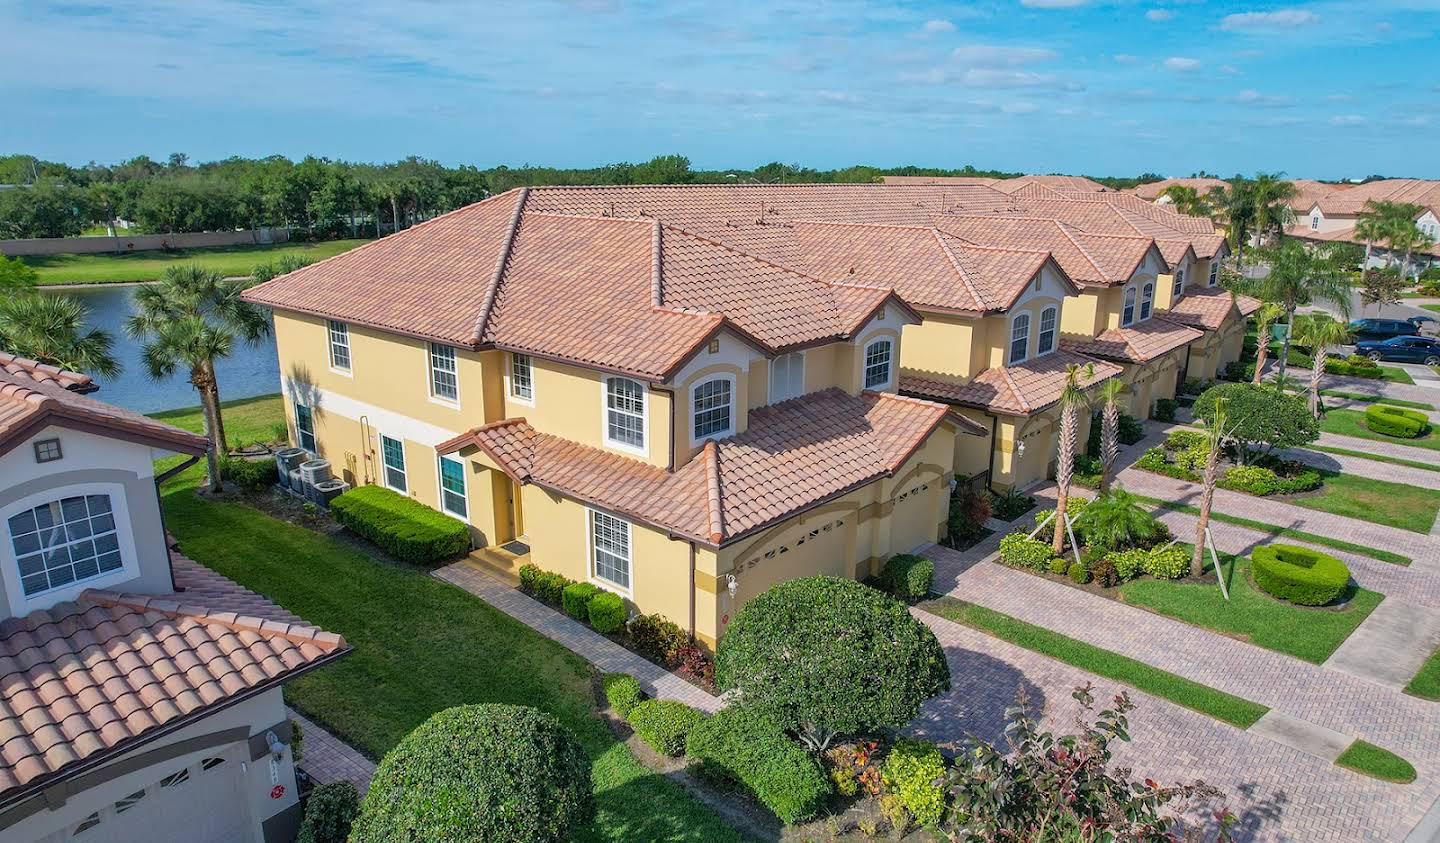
[[160, 508], [994, 435], [692, 591]]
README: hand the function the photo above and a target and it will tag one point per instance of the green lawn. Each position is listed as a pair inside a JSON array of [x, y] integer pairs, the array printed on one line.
[[1250, 614], [1427, 466], [420, 646], [1376, 762], [1373, 399], [1394, 374], [148, 265], [1432, 307], [246, 419], [1377, 501], [1352, 423], [1427, 682]]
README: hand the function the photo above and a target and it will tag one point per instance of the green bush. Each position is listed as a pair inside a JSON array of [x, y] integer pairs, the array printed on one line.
[[1129, 431], [1185, 440], [1105, 573], [664, 724], [329, 813], [607, 612], [255, 475], [743, 746], [1019, 551], [1117, 520], [915, 771], [545, 586], [1012, 505], [656, 638], [480, 772], [1087, 471], [1260, 417], [576, 597], [1165, 410], [1155, 460], [1167, 563], [405, 529], [622, 691], [908, 577], [1299, 574], [1079, 574], [1354, 369], [1128, 564], [1250, 479], [1059, 566], [1396, 421]]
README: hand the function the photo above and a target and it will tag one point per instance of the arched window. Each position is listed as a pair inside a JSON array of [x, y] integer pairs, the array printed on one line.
[[877, 364], [1045, 343], [1179, 284], [1147, 300], [624, 413], [1020, 339], [1128, 316], [712, 408]]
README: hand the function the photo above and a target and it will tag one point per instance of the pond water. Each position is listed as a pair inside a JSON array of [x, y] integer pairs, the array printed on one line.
[[251, 370]]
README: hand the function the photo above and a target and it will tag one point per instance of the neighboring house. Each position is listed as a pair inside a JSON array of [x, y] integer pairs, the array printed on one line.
[[141, 692], [1155, 191], [1330, 216]]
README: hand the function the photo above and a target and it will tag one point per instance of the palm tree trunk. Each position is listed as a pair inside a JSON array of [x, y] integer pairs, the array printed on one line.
[[1063, 472], [1207, 496], [1285, 347], [1109, 443], [1261, 352], [210, 405], [1317, 370]]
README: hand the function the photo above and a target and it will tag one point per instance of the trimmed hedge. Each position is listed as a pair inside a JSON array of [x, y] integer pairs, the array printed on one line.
[[545, 586], [656, 637], [744, 747], [907, 577], [1396, 421], [1059, 567], [1079, 574], [1299, 574], [255, 475], [915, 772], [1019, 551], [607, 612], [576, 597], [329, 813], [665, 724], [622, 691], [405, 529]]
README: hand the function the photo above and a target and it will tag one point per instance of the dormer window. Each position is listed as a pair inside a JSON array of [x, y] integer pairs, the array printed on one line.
[[1147, 300], [713, 409], [1127, 316], [1315, 223], [1045, 342], [625, 413], [1020, 339], [877, 364], [1179, 284]]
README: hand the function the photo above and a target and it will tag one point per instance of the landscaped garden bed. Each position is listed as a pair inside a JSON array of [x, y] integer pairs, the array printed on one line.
[[1360, 425]]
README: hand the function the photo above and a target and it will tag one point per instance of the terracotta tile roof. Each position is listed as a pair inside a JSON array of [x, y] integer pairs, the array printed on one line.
[[1209, 307], [1349, 200], [981, 181], [793, 455], [24, 367], [1150, 191], [1077, 184], [27, 405], [88, 680], [1302, 231], [1020, 390], [1095, 259], [1139, 343], [1161, 214]]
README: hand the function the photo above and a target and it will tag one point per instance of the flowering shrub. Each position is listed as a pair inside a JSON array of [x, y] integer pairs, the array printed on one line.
[[853, 768]]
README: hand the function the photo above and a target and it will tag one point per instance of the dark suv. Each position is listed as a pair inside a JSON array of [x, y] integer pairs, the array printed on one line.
[[1382, 329], [1402, 350]]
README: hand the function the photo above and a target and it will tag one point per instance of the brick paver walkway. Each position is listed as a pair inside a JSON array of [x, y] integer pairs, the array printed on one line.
[[1373, 469], [1399, 450], [594, 647], [329, 759]]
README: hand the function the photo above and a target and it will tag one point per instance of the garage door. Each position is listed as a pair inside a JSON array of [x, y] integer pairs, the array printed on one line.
[[201, 803]]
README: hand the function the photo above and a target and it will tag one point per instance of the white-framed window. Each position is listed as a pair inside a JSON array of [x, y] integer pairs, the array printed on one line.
[[64, 541], [1127, 316], [452, 488], [787, 376], [712, 408], [878, 356], [1315, 223], [1147, 300], [339, 345], [444, 382], [1019, 338], [1045, 342], [625, 413], [304, 427], [392, 463], [522, 377], [1179, 289], [610, 550], [1214, 269]]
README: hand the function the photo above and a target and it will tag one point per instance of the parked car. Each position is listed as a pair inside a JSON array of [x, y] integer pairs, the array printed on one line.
[[1382, 329], [1402, 350]]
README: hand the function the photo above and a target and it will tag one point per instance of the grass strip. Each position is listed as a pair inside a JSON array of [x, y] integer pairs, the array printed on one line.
[[1346, 452], [1426, 683], [1374, 399], [111, 268], [1380, 502], [1376, 762], [1225, 707], [1352, 423], [1285, 532]]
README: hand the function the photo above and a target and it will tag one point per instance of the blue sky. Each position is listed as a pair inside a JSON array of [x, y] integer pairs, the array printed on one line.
[[1325, 90]]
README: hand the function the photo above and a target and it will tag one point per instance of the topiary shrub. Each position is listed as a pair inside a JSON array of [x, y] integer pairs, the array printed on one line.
[[826, 656], [545, 586], [1396, 421], [1299, 574], [1020, 551], [656, 638], [576, 597], [907, 577], [1250, 479], [254, 475], [1058, 566], [530, 574], [1167, 563], [664, 724], [480, 772], [622, 691], [742, 746], [915, 772], [330, 811], [607, 612], [1185, 440], [1079, 574], [405, 529], [1165, 410]]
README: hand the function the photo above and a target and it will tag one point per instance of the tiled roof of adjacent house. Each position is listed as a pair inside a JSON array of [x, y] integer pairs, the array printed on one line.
[[1150, 191], [1348, 200], [982, 181], [1095, 259], [1071, 184], [1209, 307], [1020, 390], [1139, 343], [87, 680], [793, 455], [24, 367], [28, 404]]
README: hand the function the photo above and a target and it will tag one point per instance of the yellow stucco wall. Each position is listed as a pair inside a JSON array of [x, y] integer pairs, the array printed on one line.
[[945, 347]]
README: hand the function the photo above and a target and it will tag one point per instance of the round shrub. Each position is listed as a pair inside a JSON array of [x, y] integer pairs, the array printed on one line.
[[1059, 566], [915, 772], [1167, 563], [1260, 417], [1105, 573], [743, 746], [1250, 479], [824, 656], [254, 475], [664, 724], [907, 576], [576, 597], [656, 637], [1299, 574], [623, 692], [329, 813], [607, 612], [1396, 421], [1019, 551], [1079, 574], [480, 773]]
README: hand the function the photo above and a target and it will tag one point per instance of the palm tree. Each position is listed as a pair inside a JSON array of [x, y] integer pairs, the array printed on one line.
[[1236, 210], [1109, 395], [1371, 225], [52, 328], [1319, 332], [1217, 432], [1187, 200], [1271, 196], [1072, 398], [1268, 314], [1300, 276], [190, 319]]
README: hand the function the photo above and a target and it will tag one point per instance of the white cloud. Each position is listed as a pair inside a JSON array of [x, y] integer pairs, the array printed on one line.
[[1260, 100], [1159, 15], [1053, 4], [979, 77], [993, 55], [1228, 70], [935, 27], [1347, 120], [1182, 64], [1278, 19]]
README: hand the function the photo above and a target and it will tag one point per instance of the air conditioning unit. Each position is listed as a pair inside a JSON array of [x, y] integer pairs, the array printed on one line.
[[296, 483], [315, 471], [325, 491], [287, 460]]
